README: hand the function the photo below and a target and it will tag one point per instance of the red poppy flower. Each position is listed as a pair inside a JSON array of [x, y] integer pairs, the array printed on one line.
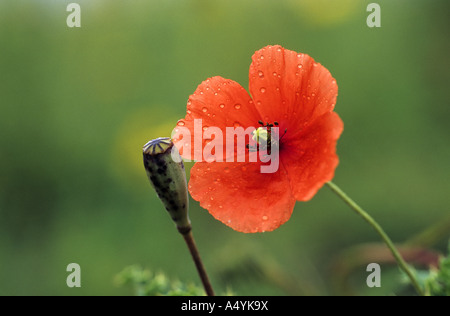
[[288, 90]]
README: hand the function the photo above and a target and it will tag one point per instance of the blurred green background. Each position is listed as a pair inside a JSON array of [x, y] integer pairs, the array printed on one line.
[[77, 104]]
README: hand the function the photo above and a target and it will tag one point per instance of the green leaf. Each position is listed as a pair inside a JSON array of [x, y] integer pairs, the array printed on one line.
[[146, 283]]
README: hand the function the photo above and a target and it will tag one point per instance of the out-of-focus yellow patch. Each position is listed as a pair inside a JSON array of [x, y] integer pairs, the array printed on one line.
[[137, 129], [326, 12]]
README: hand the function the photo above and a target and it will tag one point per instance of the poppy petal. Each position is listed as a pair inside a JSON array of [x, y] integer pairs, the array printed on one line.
[[290, 88], [311, 159], [242, 197], [218, 103]]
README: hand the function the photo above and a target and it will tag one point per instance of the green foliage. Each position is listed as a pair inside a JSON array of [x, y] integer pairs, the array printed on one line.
[[438, 281], [146, 283], [435, 281]]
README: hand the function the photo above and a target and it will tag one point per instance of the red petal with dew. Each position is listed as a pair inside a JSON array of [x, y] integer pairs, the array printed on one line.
[[242, 197], [219, 103], [290, 88], [310, 160]]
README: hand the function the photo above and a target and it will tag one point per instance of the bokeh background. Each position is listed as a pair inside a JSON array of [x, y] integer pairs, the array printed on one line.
[[77, 104]]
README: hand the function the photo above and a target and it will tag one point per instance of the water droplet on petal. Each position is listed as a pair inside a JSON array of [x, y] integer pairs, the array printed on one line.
[[274, 74], [263, 90], [205, 128], [188, 111], [299, 66], [222, 105], [237, 106], [265, 218], [262, 57], [180, 123], [211, 198], [260, 74], [205, 110]]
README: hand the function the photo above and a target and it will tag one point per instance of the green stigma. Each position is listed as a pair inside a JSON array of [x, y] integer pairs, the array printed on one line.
[[260, 135]]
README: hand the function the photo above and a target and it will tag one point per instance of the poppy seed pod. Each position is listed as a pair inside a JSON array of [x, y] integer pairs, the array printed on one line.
[[165, 170]]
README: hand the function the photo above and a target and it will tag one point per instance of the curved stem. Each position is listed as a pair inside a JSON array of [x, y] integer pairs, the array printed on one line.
[[401, 262]]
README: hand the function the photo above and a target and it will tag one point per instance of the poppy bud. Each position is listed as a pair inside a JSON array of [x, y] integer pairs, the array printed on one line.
[[165, 170]]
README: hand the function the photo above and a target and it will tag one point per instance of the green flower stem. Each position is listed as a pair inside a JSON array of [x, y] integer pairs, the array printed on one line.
[[401, 262]]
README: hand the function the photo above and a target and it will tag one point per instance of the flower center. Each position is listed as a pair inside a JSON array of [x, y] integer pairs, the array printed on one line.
[[264, 138], [260, 135]]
